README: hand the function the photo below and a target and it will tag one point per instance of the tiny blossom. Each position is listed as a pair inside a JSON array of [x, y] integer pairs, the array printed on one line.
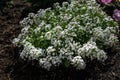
[[78, 62], [50, 49], [43, 62], [48, 35], [112, 39], [91, 51], [16, 40], [55, 60]]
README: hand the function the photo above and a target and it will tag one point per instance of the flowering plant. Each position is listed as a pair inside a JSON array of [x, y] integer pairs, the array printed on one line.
[[68, 35], [112, 7], [116, 15]]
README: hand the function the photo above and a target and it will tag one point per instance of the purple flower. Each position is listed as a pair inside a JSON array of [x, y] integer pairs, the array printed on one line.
[[116, 15], [104, 1]]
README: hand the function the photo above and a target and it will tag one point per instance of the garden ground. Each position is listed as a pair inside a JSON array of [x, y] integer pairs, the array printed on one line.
[[14, 68]]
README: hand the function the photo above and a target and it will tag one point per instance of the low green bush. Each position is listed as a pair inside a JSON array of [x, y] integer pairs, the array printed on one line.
[[69, 35]]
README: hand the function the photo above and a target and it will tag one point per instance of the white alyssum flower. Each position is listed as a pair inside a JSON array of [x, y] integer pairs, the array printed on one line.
[[16, 40], [56, 61], [78, 62], [31, 52], [91, 51], [50, 50], [43, 62], [69, 34]]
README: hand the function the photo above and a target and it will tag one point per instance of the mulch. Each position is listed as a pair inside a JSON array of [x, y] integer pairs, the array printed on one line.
[[12, 67]]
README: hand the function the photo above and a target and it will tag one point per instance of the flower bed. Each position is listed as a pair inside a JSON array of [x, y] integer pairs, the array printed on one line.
[[70, 35]]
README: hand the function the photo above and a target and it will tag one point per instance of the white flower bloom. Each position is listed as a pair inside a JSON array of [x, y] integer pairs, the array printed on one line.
[[78, 62], [91, 51], [50, 50], [16, 40], [45, 63], [101, 55], [57, 28], [98, 33], [37, 29], [31, 52], [112, 39], [47, 27], [25, 29], [56, 61], [48, 35]]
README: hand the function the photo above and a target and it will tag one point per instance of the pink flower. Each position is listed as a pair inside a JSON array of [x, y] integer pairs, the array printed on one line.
[[104, 1], [116, 15]]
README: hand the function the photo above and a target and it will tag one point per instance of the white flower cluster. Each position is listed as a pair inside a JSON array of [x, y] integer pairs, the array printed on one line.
[[31, 52], [91, 51], [107, 36], [67, 35]]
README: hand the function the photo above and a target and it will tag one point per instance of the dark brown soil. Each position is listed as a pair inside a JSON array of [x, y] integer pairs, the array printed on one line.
[[9, 28], [14, 68]]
